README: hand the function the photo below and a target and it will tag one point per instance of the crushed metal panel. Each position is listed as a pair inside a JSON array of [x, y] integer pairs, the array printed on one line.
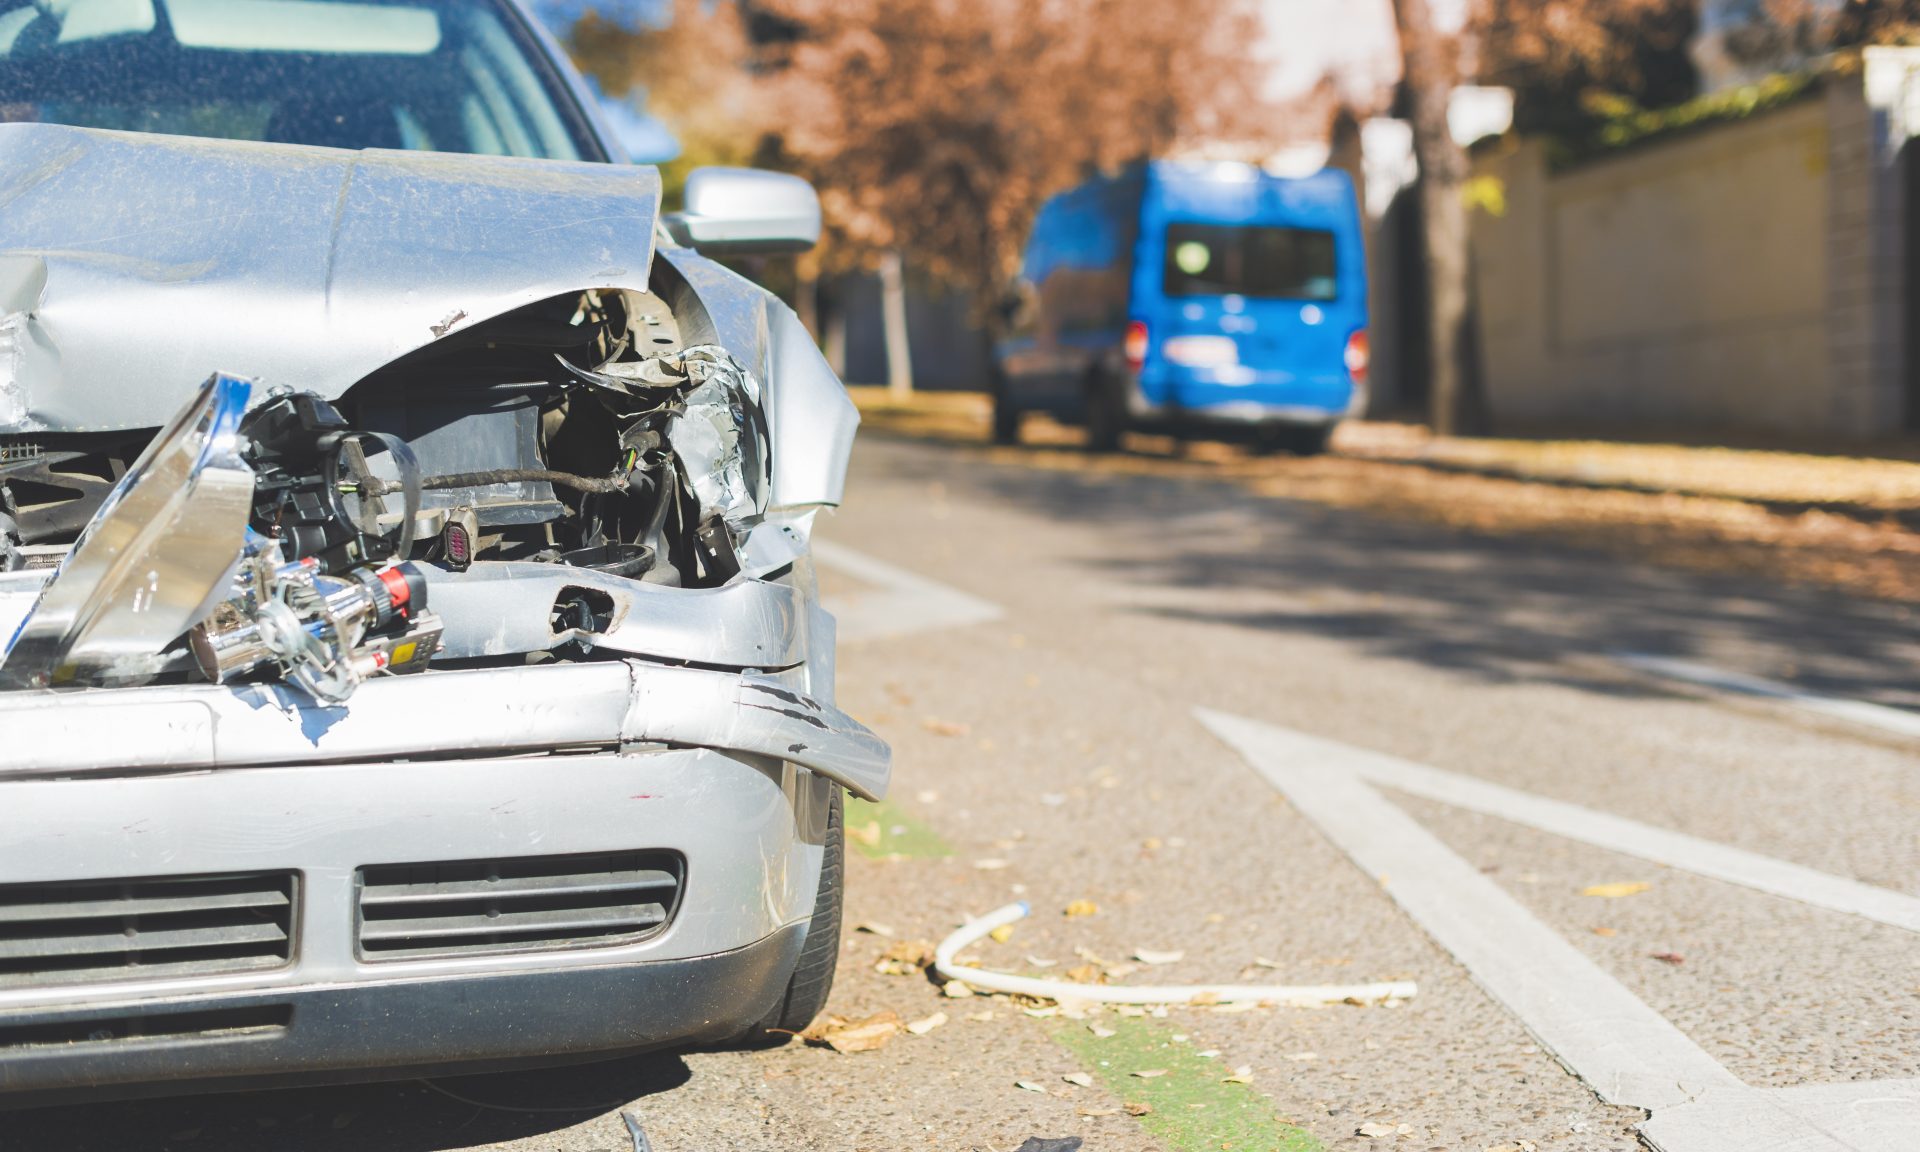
[[296, 266], [157, 556], [502, 711], [499, 608], [810, 417]]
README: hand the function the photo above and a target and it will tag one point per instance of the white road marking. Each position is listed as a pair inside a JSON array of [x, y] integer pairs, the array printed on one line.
[[1619, 834], [1628, 1052], [1895, 720], [1624, 1050], [900, 603], [1882, 1114]]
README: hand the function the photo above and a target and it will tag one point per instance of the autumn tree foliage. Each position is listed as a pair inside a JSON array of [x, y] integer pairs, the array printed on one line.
[[939, 126], [1556, 54]]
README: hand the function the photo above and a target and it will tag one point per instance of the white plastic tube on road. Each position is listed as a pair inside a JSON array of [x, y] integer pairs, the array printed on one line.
[[1300, 996]]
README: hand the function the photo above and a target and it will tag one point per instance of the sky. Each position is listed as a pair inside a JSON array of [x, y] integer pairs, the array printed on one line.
[[1351, 39], [1307, 39]]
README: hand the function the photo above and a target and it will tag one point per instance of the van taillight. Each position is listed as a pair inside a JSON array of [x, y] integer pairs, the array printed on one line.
[[1136, 346], [1359, 356]]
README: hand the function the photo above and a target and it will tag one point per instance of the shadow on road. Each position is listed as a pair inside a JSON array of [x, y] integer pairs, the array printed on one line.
[[1496, 608], [405, 1116]]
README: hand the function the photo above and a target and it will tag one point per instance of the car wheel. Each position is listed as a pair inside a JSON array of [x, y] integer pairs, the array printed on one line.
[[1006, 414], [1292, 438], [812, 978], [1106, 419], [1309, 441]]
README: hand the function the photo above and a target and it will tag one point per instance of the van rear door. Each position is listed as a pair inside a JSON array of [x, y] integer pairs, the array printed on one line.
[[1252, 291]]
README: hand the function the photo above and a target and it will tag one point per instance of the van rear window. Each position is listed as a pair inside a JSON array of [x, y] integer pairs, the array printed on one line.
[[1250, 260]]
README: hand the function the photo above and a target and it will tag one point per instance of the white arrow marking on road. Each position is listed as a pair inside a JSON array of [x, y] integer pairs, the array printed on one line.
[[1630, 837], [902, 603], [1624, 1050], [1895, 720]]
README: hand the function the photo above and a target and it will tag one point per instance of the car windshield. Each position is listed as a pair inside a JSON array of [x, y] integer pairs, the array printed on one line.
[[434, 75], [1251, 260]]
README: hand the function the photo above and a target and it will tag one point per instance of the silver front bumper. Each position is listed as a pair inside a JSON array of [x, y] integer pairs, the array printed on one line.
[[731, 772], [495, 712]]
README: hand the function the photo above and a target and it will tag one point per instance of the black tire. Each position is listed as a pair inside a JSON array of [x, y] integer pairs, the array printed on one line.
[[812, 979], [1006, 414], [1106, 416], [1301, 441]]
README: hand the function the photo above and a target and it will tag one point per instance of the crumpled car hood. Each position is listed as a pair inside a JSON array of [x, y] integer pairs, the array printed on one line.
[[131, 264]]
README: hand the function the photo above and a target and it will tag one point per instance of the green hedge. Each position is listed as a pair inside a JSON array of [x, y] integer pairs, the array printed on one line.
[[1620, 125]]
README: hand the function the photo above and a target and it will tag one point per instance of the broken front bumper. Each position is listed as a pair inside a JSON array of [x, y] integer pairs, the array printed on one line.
[[711, 786]]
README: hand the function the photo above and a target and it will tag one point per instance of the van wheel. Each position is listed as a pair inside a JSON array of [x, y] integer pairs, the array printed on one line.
[[812, 977], [1106, 417], [1006, 414], [1294, 439]]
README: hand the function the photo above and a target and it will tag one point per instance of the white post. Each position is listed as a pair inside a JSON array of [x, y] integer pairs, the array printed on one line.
[[893, 311]]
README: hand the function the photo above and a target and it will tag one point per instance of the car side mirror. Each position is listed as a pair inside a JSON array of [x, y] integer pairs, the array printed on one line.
[[746, 212]]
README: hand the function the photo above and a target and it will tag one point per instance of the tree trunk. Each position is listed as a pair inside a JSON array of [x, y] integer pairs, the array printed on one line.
[[1430, 76], [893, 316]]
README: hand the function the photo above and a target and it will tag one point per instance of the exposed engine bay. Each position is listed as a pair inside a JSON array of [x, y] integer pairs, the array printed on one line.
[[569, 447]]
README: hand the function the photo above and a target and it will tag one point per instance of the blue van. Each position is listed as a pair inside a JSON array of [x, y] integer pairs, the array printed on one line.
[[1191, 298]]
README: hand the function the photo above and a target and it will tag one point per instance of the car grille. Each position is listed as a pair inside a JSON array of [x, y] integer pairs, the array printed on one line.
[[527, 904], [103, 930]]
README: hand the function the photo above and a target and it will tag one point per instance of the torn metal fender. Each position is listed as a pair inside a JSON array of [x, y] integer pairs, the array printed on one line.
[[132, 263], [811, 418], [494, 712], [501, 608]]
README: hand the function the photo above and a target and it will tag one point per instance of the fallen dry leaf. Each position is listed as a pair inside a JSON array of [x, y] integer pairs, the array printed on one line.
[[955, 990], [1147, 956], [905, 958], [1605, 932], [1616, 891], [1137, 1108], [1522, 1146], [923, 1026], [1096, 1111], [868, 833], [1085, 974], [1241, 1075], [1263, 962], [848, 1036], [1150, 1073], [1375, 1131], [1029, 1086], [1037, 962], [1082, 908], [944, 727], [1100, 1032], [1205, 999], [873, 929], [1673, 958], [1078, 1078], [1001, 934], [980, 1017]]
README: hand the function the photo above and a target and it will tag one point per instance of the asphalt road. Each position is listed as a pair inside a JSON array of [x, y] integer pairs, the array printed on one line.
[[1046, 697]]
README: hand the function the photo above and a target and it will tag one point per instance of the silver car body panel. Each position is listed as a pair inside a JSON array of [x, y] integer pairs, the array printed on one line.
[[132, 265], [488, 712], [496, 609], [750, 831]]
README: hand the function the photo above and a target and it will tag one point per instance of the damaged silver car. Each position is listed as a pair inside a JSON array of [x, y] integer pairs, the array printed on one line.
[[413, 659]]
